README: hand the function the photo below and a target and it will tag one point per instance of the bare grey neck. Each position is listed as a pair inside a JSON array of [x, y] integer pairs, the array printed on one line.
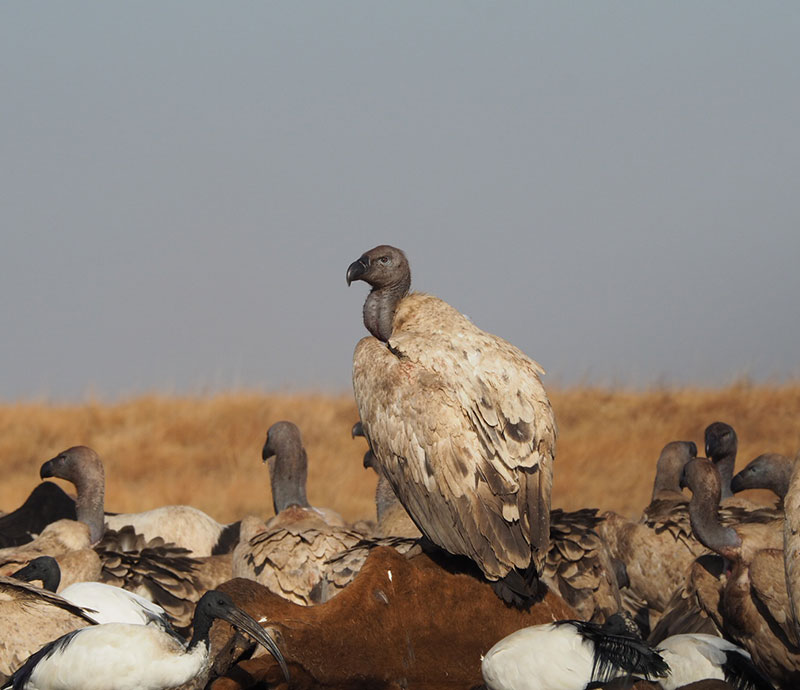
[[725, 468], [705, 521], [380, 306], [668, 479], [288, 474], [89, 504]]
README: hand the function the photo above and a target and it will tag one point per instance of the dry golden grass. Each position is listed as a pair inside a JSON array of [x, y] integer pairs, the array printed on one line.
[[206, 451]]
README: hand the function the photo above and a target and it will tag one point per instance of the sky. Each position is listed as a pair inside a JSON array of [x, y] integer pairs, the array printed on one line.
[[614, 187]]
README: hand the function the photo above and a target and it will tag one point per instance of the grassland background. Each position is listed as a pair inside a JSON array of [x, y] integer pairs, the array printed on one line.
[[206, 450]]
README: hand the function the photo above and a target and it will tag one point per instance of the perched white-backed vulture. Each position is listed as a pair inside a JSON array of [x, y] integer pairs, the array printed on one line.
[[184, 526], [289, 553], [30, 617], [460, 424], [754, 605]]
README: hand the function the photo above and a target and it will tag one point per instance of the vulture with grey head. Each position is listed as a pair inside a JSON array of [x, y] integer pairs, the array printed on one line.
[[459, 423]]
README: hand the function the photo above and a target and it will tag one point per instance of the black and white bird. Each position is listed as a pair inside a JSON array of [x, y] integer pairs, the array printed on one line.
[[694, 657], [570, 655], [108, 604], [119, 656]]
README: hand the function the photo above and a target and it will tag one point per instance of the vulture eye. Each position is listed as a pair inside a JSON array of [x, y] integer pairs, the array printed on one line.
[[384, 260]]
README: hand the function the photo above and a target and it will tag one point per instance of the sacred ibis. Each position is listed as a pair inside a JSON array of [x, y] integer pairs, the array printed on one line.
[[109, 604], [570, 655], [120, 656]]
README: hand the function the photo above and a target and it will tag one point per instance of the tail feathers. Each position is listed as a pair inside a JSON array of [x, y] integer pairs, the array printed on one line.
[[520, 588]]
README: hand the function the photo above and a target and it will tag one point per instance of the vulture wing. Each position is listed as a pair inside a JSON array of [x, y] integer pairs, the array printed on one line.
[[462, 428]]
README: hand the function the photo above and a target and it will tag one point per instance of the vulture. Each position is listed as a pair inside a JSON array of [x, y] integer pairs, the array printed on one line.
[[157, 570], [460, 424], [185, 526], [288, 554], [754, 603]]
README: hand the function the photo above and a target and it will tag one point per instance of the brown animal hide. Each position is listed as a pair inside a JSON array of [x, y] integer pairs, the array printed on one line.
[[408, 623]]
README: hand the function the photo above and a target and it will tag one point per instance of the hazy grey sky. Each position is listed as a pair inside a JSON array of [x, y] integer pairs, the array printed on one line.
[[614, 187]]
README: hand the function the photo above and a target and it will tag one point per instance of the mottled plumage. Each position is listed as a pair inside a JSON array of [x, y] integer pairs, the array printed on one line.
[[289, 553]]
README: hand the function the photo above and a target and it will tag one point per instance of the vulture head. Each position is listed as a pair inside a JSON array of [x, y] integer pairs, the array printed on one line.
[[386, 269], [83, 467], [671, 461], [79, 465], [382, 267], [721, 448], [768, 471], [288, 466], [720, 440]]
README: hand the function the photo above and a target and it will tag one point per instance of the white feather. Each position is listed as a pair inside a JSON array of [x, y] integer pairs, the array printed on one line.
[[118, 656]]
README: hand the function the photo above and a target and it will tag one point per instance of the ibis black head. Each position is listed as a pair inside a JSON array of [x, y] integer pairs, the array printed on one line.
[[216, 604], [44, 568]]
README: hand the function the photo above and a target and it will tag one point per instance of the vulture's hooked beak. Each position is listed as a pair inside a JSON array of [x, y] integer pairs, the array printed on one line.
[[357, 269], [357, 430], [46, 470], [266, 453]]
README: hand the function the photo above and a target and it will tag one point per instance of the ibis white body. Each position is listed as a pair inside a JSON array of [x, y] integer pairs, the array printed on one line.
[[117, 656], [109, 604], [541, 657]]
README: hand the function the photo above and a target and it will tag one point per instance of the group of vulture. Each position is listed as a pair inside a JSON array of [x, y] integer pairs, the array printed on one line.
[[465, 577]]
